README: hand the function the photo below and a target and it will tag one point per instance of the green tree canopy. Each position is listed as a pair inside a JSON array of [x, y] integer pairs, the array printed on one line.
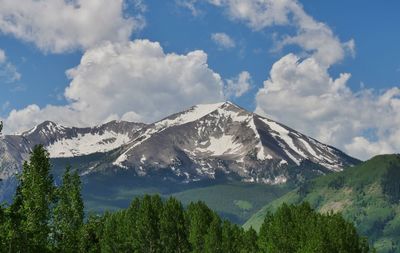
[[37, 194], [68, 213], [300, 229]]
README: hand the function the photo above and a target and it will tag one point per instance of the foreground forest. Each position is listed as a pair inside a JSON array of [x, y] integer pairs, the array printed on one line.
[[48, 218]]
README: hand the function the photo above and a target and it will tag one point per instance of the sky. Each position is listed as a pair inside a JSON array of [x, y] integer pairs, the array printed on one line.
[[329, 69]]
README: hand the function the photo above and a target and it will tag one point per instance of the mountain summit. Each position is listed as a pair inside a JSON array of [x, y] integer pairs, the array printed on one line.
[[223, 137], [204, 142]]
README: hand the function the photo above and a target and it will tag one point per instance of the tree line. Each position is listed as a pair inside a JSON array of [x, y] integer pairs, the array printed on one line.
[[48, 218]]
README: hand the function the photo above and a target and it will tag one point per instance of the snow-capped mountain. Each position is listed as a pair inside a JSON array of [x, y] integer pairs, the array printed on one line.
[[203, 142], [63, 141], [222, 137]]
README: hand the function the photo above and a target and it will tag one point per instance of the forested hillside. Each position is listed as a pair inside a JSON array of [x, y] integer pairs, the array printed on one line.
[[367, 195]]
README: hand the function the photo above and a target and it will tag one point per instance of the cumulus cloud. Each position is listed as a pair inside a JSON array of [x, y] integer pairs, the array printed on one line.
[[135, 81], [8, 72], [68, 25], [258, 14], [223, 40], [302, 94], [314, 37], [238, 86]]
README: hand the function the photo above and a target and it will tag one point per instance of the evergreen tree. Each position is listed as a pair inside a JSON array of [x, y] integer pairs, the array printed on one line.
[[264, 233], [3, 228], [14, 238], [148, 224], [213, 238], [68, 213], [301, 229], [227, 237], [173, 230], [232, 237], [37, 197], [249, 240], [198, 218], [132, 214], [91, 234]]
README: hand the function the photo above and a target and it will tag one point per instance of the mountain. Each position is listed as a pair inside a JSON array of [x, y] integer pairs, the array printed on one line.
[[222, 138], [60, 141], [205, 144], [248, 159], [191, 145], [367, 194], [63, 141]]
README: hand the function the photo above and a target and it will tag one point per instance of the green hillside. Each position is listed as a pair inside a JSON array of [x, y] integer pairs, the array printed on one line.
[[367, 194]]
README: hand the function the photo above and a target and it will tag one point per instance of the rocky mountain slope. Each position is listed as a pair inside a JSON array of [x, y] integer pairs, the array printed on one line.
[[63, 141], [208, 139]]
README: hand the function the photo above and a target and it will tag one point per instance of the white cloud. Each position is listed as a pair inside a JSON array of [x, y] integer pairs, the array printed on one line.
[[2, 56], [302, 94], [258, 14], [314, 37], [8, 72], [64, 25], [223, 40], [238, 86], [133, 81], [190, 5]]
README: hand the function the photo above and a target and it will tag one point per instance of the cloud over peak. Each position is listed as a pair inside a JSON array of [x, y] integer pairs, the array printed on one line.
[[134, 81]]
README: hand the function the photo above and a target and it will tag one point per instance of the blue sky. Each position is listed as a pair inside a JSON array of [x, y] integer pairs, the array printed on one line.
[[311, 44]]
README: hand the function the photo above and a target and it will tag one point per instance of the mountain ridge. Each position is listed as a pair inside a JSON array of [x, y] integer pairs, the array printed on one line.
[[220, 133], [201, 143]]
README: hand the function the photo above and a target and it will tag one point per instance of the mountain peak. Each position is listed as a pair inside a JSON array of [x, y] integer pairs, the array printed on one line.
[[193, 113], [45, 126], [229, 104], [197, 112]]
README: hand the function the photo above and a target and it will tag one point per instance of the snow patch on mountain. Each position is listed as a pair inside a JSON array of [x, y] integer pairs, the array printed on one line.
[[120, 161], [234, 116], [193, 114], [221, 146], [143, 159], [87, 144]]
